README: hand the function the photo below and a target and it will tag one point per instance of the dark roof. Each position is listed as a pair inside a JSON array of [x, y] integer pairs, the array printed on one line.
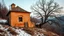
[[17, 9], [12, 4]]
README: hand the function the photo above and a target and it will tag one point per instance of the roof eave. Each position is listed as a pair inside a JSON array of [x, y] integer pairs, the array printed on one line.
[[16, 11]]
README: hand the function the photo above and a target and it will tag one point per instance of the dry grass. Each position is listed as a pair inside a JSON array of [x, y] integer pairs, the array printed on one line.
[[1, 31], [32, 31], [29, 31], [12, 31]]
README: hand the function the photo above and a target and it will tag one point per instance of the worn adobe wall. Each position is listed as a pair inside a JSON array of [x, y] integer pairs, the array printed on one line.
[[15, 21]]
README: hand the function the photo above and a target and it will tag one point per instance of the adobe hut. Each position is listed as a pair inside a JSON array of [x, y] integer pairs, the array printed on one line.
[[18, 17]]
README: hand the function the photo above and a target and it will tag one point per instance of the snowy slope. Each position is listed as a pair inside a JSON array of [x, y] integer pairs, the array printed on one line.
[[9, 31], [6, 30]]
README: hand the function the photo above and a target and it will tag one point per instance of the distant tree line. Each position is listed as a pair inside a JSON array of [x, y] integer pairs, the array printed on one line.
[[3, 11]]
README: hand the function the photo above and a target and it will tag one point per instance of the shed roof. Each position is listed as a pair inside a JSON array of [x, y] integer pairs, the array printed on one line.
[[17, 9]]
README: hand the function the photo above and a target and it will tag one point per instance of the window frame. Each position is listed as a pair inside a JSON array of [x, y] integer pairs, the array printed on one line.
[[19, 19]]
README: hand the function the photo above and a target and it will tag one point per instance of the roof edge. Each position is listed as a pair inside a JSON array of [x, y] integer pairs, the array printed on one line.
[[16, 11]]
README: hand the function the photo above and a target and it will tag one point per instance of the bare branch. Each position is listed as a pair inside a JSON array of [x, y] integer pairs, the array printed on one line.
[[54, 7], [37, 11], [49, 4], [47, 7], [42, 4]]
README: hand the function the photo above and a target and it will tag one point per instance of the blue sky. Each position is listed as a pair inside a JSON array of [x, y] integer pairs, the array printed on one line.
[[26, 4]]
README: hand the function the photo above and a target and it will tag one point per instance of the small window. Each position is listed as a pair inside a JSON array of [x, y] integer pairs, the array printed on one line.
[[20, 19]]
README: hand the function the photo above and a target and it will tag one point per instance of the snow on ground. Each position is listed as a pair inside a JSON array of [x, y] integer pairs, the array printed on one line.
[[22, 33], [10, 30], [15, 31]]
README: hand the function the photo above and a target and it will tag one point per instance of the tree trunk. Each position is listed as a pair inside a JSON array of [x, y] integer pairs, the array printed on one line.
[[42, 23]]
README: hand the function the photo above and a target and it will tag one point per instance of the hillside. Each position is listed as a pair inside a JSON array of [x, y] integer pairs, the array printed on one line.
[[6, 30], [57, 25]]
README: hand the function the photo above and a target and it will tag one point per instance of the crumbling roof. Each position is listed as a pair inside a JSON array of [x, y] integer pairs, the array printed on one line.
[[12, 4], [16, 9]]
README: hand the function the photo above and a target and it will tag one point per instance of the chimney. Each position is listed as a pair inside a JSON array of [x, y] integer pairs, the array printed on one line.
[[12, 5]]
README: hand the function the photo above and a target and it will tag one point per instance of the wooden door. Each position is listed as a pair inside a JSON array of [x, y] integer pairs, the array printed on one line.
[[25, 24]]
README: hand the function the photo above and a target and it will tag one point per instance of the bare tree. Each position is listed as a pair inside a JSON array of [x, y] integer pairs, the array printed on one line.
[[46, 9]]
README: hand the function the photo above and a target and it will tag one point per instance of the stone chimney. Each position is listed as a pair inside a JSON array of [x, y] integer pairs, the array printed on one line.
[[12, 5]]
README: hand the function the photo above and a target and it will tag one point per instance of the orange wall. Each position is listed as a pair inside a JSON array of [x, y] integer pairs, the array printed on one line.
[[14, 21]]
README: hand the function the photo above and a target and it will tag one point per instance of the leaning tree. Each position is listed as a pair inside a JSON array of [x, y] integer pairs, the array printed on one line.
[[45, 9]]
